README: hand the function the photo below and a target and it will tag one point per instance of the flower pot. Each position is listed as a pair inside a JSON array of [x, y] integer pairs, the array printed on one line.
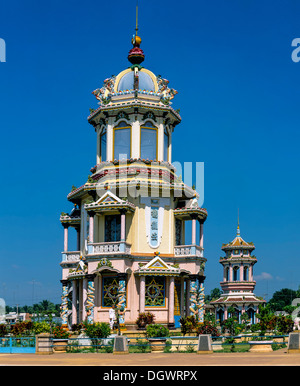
[[157, 344], [60, 344], [261, 345]]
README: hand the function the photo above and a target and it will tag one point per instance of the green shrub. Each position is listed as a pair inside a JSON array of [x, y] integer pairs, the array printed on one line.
[[157, 331], [22, 328], [4, 329], [97, 330], [40, 327]]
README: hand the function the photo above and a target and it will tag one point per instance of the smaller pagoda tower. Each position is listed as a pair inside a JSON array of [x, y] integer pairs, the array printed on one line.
[[238, 283]]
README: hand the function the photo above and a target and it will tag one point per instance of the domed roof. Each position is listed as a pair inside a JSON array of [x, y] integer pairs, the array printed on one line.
[[145, 78]]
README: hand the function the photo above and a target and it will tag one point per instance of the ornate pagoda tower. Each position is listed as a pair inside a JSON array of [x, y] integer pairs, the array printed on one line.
[[238, 284], [131, 212]]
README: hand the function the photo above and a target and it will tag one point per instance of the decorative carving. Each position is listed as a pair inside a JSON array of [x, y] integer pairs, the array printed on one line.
[[121, 115], [103, 94], [166, 93], [90, 302], [64, 304], [201, 303], [149, 115], [104, 262], [122, 299]]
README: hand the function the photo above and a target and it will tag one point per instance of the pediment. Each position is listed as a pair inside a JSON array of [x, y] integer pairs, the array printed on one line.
[[109, 198], [157, 263]]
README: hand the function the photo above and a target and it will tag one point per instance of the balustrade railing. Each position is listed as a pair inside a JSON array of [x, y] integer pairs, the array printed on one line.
[[113, 247], [71, 256], [188, 250]]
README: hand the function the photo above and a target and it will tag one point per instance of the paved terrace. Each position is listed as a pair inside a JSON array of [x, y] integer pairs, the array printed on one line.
[[275, 358]]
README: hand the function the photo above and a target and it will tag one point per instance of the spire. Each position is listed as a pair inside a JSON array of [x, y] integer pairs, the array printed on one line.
[[238, 233], [136, 17], [136, 54]]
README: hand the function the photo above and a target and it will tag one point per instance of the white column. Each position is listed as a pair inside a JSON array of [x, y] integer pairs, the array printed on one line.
[[98, 157], [194, 224], [171, 300], [74, 302], [135, 140], [66, 237], [109, 139], [123, 225], [170, 147], [91, 227], [142, 293], [160, 141]]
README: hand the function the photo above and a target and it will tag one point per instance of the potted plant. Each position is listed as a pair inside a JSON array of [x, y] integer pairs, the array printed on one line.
[[188, 324], [157, 335], [144, 319], [60, 338]]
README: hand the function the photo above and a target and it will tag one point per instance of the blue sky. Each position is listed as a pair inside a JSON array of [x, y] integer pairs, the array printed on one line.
[[238, 98]]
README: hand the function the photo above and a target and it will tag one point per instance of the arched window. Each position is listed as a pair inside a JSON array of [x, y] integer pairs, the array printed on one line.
[[220, 315], [166, 145], [246, 274], [122, 141], [227, 274], [251, 314], [235, 273], [103, 146], [148, 141]]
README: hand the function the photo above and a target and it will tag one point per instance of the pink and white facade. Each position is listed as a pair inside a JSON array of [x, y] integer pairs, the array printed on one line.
[[130, 215]]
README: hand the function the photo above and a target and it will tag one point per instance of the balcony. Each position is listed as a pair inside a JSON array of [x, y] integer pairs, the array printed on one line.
[[188, 251], [70, 257], [109, 248]]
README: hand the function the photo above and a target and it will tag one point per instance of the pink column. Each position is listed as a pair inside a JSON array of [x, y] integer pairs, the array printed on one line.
[[194, 231], [225, 313], [91, 227], [74, 302], [171, 300], [66, 234], [142, 293], [251, 273], [230, 273], [201, 234], [241, 272]]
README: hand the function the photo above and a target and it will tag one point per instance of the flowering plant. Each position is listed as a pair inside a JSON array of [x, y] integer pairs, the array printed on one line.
[[60, 333]]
